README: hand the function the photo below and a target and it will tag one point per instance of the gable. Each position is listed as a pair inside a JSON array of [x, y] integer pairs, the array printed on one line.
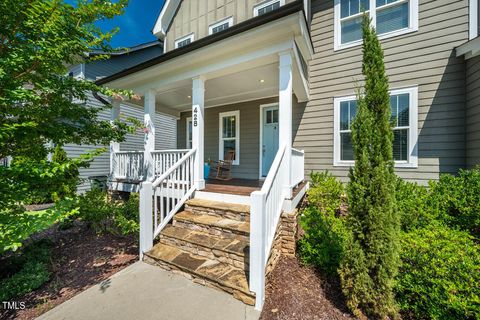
[[165, 18]]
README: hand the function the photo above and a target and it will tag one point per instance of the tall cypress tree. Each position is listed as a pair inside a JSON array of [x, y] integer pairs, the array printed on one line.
[[372, 260]]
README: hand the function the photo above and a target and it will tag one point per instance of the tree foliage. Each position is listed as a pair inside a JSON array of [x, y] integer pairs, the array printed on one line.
[[372, 258], [39, 102], [41, 105]]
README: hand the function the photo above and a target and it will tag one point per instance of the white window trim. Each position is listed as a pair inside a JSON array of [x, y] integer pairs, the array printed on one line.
[[412, 161], [190, 36], [222, 115], [473, 19], [264, 4], [228, 20], [187, 146], [413, 23]]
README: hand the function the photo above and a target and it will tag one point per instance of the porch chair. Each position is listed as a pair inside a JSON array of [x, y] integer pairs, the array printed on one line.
[[222, 169]]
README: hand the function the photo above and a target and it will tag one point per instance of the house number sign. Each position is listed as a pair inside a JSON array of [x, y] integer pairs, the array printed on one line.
[[195, 116]]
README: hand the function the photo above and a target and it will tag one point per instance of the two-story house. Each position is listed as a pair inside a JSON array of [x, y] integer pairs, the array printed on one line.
[[267, 87]]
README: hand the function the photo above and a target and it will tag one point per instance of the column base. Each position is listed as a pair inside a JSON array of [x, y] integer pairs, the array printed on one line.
[[200, 184]]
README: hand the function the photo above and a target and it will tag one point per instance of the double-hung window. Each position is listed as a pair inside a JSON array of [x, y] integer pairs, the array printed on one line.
[[229, 135], [182, 42], [404, 117], [221, 25], [267, 7], [389, 17]]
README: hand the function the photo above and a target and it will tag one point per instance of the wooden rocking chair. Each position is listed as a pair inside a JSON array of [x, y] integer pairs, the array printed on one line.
[[222, 169]]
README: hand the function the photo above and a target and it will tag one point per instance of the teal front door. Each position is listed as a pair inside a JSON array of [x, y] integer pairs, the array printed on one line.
[[269, 137]]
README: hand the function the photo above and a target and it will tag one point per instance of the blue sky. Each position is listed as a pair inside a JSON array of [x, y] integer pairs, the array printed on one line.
[[136, 24]]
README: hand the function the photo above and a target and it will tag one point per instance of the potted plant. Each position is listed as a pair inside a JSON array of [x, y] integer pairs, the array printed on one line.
[[206, 168]]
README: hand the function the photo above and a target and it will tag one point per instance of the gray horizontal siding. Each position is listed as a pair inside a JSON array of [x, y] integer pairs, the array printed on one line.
[[425, 58], [473, 112], [165, 139], [249, 133]]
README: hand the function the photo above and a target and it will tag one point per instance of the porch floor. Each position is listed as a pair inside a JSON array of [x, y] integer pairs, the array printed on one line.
[[242, 187]]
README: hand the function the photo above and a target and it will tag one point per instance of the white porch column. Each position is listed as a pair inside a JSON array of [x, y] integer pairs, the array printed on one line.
[[149, 143], [114, 146], [285, 114], [198, 97]]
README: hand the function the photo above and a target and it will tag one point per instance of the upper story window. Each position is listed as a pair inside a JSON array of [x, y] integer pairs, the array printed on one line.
[[182, 42], [390, 18], [267, 7], [404, 116], [220, 26]]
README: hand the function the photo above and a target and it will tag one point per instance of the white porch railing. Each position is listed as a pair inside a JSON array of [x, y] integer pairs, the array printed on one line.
[[265, 213], [160, 200], [165, 159], [128, 165], [298, 166]]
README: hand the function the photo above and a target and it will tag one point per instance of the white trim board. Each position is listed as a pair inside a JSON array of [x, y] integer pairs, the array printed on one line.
[[473, 19], [223, 197]]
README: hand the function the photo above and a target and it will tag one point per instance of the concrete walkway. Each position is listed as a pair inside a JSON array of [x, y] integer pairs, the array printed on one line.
[[144, 292]]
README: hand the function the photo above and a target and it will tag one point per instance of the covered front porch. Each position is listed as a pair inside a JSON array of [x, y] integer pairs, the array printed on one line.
[[235, 100]]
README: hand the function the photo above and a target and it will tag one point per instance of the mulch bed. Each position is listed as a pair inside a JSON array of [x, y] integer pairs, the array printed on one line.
[[298, 292], [81, 259]]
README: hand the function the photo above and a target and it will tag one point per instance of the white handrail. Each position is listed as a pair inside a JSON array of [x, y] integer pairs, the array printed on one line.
[[265, 211], [164, 159], [172, 168], [128, 165], [160, 200]]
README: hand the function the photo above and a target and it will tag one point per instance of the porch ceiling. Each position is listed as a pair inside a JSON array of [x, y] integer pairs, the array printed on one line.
[[252, 84]]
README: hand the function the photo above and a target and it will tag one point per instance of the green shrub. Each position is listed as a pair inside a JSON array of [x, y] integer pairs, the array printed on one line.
[[325, 191], [412, 205], [105, 215], [326, 236], [456, 200], [325, 233], [440, 274], [27, 271]]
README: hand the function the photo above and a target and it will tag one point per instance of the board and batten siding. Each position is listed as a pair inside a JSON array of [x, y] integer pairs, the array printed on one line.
[[194, 16], [473, 112], [165, 139], [249, 133], [425, 58]]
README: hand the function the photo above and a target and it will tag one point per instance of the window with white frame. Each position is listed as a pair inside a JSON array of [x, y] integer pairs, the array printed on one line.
[[404, 111], [182, 42], [189, 133], [229, 135], [220, 26], [389, 17], [267, 7]]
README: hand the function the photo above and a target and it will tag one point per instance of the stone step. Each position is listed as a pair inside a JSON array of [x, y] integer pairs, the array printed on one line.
[[226, 210], [231, 249], [202, 270], [212, 224]]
